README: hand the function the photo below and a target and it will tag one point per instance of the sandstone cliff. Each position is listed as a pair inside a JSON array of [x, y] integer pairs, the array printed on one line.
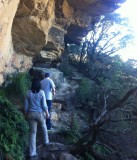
[[36, 28]]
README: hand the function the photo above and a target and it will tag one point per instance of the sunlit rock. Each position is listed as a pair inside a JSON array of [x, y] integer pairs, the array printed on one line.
[[26, 26]]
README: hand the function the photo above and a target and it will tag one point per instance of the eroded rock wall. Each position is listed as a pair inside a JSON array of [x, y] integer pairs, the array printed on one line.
[[36, 28], [8, 9], [32, 24]]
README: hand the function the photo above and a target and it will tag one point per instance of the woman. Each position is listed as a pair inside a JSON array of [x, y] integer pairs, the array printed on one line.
[[35, 109]]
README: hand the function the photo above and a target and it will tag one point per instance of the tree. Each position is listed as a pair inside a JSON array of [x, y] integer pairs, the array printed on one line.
[[112, 104], [108, 36], [110, 93], [111, 127]]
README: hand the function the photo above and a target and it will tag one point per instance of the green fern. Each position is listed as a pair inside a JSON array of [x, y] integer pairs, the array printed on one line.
[[13, 131], [19, 85]]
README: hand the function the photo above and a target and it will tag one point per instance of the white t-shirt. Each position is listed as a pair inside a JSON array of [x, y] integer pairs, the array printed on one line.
[[47, 85]]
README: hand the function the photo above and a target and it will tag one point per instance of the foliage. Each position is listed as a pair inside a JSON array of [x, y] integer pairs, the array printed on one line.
[[66, 70], [84, 91], [102, 149], [89, 93], [108, 80], [109, 35], [3, 92], [74, 133], [20, 83], [88, 156], [113, 85], [13, 131]]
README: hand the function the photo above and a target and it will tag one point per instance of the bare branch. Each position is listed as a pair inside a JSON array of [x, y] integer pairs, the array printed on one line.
[[124, 119], [124, 99], [106, 46]]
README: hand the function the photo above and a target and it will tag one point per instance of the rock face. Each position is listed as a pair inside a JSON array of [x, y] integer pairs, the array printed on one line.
[[36, 28], [7, 12], [31, 25]]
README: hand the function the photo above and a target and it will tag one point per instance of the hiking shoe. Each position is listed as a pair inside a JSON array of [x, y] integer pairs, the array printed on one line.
[[51, 129]]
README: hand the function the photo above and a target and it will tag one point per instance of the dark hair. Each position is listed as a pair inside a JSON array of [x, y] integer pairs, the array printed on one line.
[[35, 86], [47, 74]]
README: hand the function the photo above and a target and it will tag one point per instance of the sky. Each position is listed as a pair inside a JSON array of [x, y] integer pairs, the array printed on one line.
[[128, 9]]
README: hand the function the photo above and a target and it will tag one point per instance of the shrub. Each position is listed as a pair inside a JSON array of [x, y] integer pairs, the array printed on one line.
[[88, 156], [84, 91], [66, 70], [13, 131], [74, 133], [20, 83]]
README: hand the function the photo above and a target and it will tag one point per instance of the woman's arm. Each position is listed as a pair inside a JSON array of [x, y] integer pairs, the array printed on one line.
[[26, 106]]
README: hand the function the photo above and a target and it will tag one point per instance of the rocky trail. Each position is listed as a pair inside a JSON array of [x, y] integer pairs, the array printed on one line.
[[62, 113]]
